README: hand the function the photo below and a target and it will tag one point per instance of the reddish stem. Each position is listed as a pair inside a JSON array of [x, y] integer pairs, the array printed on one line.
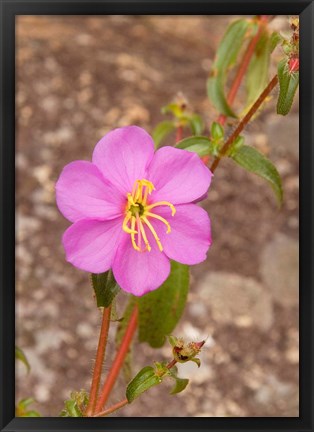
[[101, 350], [171, 364], [244, 121], [243, 66], [112, 409], [118, 361], [179, 134]]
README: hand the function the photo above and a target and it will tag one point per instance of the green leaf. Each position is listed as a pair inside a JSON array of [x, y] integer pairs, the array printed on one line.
[[201, 145], [21, 408], [76, 405], [180, 383], [253, 161], [226, 57], [105, 287], [179, 386], [160, 310], [275, 39], [19, 355], [162, 130], [127, 364], [288, 84], [173, 108], [257, 76], [215, 92], [144, 380], [217, 131], [196, 124]]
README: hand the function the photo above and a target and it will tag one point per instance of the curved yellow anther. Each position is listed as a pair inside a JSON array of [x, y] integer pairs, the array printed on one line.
[[133, 220], [163, 203], [163, 220], [150, 226], [125, 224], [131, 201], [148, 247]]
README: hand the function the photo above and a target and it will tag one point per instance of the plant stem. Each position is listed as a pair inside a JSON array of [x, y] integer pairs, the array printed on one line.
[[113, 408], [118, 361], [179, 134], [243, 66], [103, 337], [245, 121], [171, 364], [124, 402]]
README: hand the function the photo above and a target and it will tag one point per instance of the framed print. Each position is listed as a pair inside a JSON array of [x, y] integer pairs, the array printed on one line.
[[156, 215]]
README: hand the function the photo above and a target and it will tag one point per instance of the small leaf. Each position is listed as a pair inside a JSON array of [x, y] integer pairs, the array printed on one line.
[[226, 57], [21, 408], [76, 405], [257, 76], [288, 84], [173, 108], [180, 383], [196, 124], [161, 131], [105, 287], [19, 355], [201, 145], [144, 380], [215, 92], [217, 131], [160, 310], [252, 160]]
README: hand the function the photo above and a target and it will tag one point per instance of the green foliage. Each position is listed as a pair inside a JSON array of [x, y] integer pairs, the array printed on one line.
[[160, 310], [105, 287], [226, 57], [201, 145], [196, 124], [258, 72], [162, 130], [288, 84], [76, 405], [127, 364], [19, 355], [21, 410], [180, 383], [217, 131], [144, 380], [253, 161], [149, 377]]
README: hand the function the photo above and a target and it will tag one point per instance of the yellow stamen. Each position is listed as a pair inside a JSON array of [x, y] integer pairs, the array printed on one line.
[[137, 212], [148, 247], [133, 220], [131, 201], [153, 215], [150, 226], [125, 223], [162, 203]]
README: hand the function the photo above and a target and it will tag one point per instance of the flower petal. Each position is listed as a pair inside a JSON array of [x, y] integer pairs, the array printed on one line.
[[123, 156], [91, 245], [190, 235], [140, 272], [179, 176], [82, 192]]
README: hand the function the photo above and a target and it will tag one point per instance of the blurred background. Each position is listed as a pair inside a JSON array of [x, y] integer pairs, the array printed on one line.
[[81, 76]]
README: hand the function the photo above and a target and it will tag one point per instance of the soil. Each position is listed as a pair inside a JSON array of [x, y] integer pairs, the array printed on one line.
[[79, 77]]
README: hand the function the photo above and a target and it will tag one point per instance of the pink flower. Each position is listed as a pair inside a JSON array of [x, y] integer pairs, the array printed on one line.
[[133, 210]]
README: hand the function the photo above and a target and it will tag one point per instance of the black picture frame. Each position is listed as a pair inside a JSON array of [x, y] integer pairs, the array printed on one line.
[[9, 10]]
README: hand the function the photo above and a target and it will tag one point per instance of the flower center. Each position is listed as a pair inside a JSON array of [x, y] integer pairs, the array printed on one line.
[[137, 215]]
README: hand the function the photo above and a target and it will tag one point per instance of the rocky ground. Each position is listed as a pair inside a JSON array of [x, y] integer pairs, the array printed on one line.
[[77, 78]]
